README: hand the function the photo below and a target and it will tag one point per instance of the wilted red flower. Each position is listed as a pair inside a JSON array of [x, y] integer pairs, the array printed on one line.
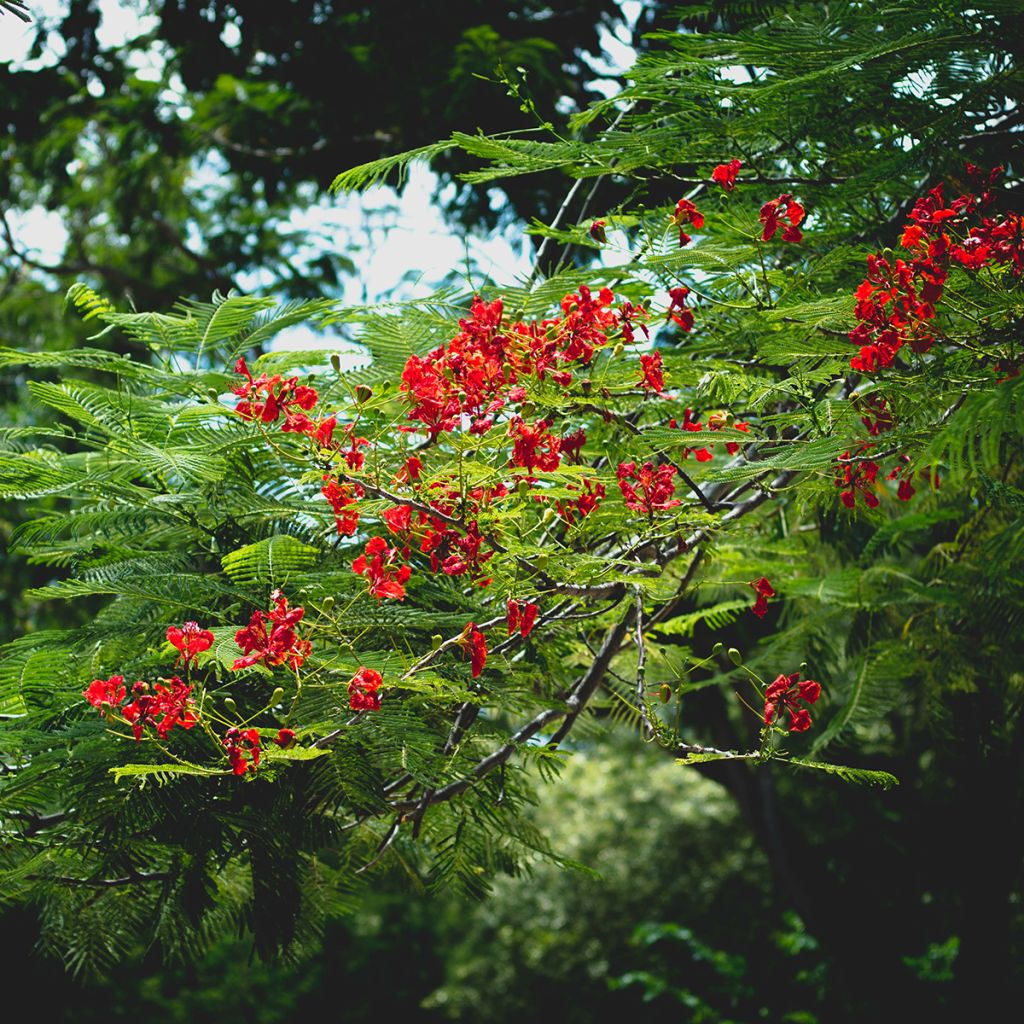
[[725, 174], [521, 617], [474, 643], [764, 590], [597, 231], [783, 693], [362, 690], [278, 646], [774, 211], [243, 749], [678, 311], [383, 570], [686, 213], [190, 640]]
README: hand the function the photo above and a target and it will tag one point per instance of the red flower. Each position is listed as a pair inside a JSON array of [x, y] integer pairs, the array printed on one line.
[[783, 693], [652, 373], [593, 493], [285, 738], [655, 484], [362, 690], [571, 445], [266, 398], [354, 457], [678, 311], [410, 471], [278, 646], [764, 590], [243, 749], [165, 708], [340, 496], [382, 569], [398, 518], [772, 213], [693, 425], [474, 643], [597, 231], [534, 447], [190, 640], [725, 174], [105, 691], [521, 617], [686, 213]]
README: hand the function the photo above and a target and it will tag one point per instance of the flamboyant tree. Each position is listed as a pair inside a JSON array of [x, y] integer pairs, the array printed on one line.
[[360, 600]]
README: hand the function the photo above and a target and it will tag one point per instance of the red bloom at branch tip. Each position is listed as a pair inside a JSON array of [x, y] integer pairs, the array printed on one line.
[[285, 738], [243, 749], [783, 694], [105, 691], [597, 231], [190, 640], [725, 174]]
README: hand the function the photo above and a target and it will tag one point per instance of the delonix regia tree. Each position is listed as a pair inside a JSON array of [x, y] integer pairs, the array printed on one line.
[[356, 610]]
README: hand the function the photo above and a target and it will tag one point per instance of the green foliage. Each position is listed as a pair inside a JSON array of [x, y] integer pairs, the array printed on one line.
[[159, 504]]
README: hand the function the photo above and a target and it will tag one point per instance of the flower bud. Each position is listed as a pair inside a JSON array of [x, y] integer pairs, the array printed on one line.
[[665, 693], [336, 362], [734, 656], [229, 703], [618, 349], [213, 394], [327, 604], [717, 649], [363, 393], [276, 696], [586, 386], [435, 641]]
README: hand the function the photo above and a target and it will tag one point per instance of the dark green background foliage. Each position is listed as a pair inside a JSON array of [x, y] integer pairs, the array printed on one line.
[[728, 894]]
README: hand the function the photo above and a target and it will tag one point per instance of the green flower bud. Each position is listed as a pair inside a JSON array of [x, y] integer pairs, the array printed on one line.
[[327, 604], [229, 703], [717, 649], [336, 362], [435, 641], [363, 393], [734, 656], [276, 696], [665, 693]]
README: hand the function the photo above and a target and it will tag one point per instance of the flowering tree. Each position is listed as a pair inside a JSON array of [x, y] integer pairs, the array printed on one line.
[[354, 604]]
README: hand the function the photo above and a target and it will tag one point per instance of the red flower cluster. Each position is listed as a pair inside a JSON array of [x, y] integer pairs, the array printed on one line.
[[678, 311], [474, 643], [341, 497], [896, 301], [652, 375], [686, 213], [593, 494], [384, 573], [190, 640], [521, 617], [725, 174], [164, 708], [265, 398], [479, 371], [783, 694], [278, 646], [655, 485], [533, 447], [764, 590], [243, 749], [857, 476], [775, 211], [362, 690]]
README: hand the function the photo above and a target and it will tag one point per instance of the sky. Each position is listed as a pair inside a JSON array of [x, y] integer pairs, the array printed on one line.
[[390, 232]]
